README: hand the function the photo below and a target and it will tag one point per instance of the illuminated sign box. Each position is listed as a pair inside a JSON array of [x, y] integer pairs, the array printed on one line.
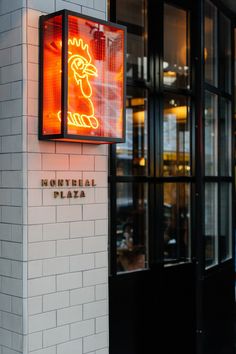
[[82, 79]]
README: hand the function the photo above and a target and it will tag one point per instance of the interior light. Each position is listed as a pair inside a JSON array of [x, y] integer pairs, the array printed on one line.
[[82, 79]]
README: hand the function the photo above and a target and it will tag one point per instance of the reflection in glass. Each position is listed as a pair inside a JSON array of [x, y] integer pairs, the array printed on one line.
[[210, 131], [132, 155], [176, 136], [225, 221], [225, 55], [211, 224], [225, 137], [235, 103], [132, 226], [210, 50], [133, 14], [176, 221], [176, 48], [52, 75]]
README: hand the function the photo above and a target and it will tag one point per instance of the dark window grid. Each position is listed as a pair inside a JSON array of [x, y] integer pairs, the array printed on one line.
[[156, 92]]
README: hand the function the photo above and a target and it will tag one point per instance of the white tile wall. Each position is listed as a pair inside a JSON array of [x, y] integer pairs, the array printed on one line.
[[42, 321], [40, 286], [56, 301], [69, 315], [82, 296], [35, 341], [82, 328], [57, 263], [55, 335], [95, 309], [81, 262], [101, 324], [72, 347], [35, 305], [96, 341], [69, 281]]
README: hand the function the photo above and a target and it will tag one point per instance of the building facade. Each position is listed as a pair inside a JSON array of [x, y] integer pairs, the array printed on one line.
[[54, 264], [172, 181], [98, 243]]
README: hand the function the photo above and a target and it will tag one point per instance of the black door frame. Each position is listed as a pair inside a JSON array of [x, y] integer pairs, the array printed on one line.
[[202, 277]]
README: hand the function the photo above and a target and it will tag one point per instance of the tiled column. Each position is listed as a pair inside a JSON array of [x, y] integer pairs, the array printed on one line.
[[53, 264]]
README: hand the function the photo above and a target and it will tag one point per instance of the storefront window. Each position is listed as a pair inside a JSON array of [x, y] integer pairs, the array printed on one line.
[[225, 54], [225, 221], [132, 14], [176, 48], [132, 155], [211, 224], [176, 136], [210, 134], [210, 49], [176, 221], [225, 137], [132, 226]]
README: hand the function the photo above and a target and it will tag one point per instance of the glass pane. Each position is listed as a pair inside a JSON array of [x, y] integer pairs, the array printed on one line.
[[210, 50], [211, 224], [95, 79], [132, 155], [176, 136], [225, 221], [133, 14], [176, 48], [234, 156], [210, 138], [52, 54], [176, 221], [132, 226], [225, 138], [225, 54]]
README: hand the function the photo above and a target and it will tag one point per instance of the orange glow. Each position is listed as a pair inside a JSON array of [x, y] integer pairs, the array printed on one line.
[[80, 65], [180, 112], [92, 96], [78, 120]]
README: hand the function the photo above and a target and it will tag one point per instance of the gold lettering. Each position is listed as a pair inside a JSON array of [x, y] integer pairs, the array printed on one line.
[[44, 182], [93, 183], [62, 195], [87, 183], [74, 182], [52, 182], [56, 194], [82, 194], [69, 194], [76, 194], [60, 182], [80, 182]]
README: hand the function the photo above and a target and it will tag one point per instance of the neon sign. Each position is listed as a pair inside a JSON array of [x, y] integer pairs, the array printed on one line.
[[80, 65], [78, 120], [82, 79]]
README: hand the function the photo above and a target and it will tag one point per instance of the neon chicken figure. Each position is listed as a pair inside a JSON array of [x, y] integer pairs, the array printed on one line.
[[80, 69]]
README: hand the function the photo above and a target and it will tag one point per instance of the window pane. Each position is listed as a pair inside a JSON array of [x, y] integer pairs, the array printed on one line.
[[234, 157], [225, 138], [176, 221], [225, 221], [132, 155], [211, 224], [225, 54], [133, 14], [210, 130], [176, 136], [210, 50], [52, 53], [132, 226], [176, 48]]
